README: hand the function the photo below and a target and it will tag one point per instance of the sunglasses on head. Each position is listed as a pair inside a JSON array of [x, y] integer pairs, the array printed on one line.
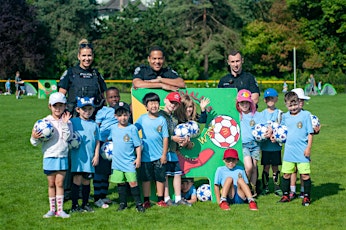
[[86, 45]]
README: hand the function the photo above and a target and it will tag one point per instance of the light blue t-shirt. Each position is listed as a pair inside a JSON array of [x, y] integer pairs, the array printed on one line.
[[267, 145], [248, 121], [192, 191], [298, 129], [153, 132], [125, 140], [81, 158], [223, 172], [105, 117]]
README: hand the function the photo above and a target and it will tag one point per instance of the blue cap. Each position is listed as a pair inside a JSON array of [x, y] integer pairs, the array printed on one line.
[[84, 101], [270, 93]]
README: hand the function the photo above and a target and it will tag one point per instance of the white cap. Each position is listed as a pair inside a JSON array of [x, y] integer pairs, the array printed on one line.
[[300, 93], [57, 98]]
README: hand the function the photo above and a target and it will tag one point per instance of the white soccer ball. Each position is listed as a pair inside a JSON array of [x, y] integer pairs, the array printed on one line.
[[204, 192], [75, 141], [182, 130], [107, 150], [193, 128], [224, 131], [274, 125], [259, 131], [280, 133], [315, 121], [46, 129]]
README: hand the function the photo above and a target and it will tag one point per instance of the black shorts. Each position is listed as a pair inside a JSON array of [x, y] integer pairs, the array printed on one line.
[[85, 175], [271, 158], [173, 168], [152, 171]]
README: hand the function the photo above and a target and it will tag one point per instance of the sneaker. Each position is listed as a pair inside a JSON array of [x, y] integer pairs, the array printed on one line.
[[122, 207], [162, 204], [146, 204], [87, 208], [140, 208], [306, 201], [170, 203], [49, 214], [284, 199], [265, 191], [76, 209], [293, 195], [183, 202], [62, 214], [253, 205], [101, 204], [278, 192], [224, 205], [301, 195], [107, 201]]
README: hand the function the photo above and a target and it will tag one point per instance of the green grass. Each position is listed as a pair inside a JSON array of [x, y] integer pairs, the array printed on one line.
[[24, 199]]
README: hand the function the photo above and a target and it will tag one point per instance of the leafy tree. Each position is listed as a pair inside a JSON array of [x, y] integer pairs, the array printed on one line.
[[23, 42]]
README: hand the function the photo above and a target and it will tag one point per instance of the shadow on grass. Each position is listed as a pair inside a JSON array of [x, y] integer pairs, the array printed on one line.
[[324, 190]]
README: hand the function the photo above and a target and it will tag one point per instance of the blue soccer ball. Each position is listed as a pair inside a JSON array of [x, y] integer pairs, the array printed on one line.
[[107, 150], [193, 128], [75, 141], [182, 130], [45, 127], [204, 193]]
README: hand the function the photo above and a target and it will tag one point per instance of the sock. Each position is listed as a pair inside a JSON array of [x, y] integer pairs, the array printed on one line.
[[60, 202], [250, 199], [122, 193], [159, 198], [293, 189], [307, 187], [52, 204], [136, 195], [223, 199], [302, 189], [85, 194], [265, 179], [74, 195], [285, 186], [177, 199], [167, 198], [276, 178], [146, 199]]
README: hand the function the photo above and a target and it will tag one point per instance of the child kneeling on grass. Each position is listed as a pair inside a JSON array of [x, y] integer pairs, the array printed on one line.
[[232, 178]]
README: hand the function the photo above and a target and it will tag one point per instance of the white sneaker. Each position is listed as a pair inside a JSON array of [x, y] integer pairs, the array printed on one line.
[[49, 214], [107, 201], [62, 214], [100, 204]]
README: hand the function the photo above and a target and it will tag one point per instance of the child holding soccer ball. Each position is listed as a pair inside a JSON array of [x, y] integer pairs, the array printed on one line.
[[251, 150], [55, 153], [234, 183]]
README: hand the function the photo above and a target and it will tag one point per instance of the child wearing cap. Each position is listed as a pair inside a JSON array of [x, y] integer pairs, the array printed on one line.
[[155, 146], [172, 102], [251, 149], [55, 153], [126, 156], [234, 183], [271, 152], [105, 119], [188, 190], [86, 157]]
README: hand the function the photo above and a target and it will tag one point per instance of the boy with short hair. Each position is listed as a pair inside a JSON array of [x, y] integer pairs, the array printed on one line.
[[232, 178], [297, 147], [172, 102], [155, 146], [126, 156], [271, 152], [188, 190]]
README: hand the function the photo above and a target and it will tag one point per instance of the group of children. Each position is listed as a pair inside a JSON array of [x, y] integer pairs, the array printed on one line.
[[154, 156]]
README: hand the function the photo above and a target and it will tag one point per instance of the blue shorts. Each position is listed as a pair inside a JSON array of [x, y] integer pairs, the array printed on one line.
[[236, 199], [153, 171], [251, 149], [173, 168]]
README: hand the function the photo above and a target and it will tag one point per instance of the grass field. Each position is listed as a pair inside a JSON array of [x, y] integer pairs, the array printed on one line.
[[23, 186]]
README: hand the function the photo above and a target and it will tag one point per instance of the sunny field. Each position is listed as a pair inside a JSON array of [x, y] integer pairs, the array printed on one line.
[[23, 186]]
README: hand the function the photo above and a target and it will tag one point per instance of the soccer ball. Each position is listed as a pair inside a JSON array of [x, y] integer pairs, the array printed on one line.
[[204, 192], [274, 125], [107, 150], [224, 131], [182, 130], [74, 141], [258, 132], [280, 133], [315, 121], [46, 129], [193, 128]]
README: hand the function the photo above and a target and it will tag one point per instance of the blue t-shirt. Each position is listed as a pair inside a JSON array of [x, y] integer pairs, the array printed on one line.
[[125, 140], [298, 129], [248, 121], [267, 145], [154, 130], [223, 172], [188, 194], [81, 158], [105, 117]]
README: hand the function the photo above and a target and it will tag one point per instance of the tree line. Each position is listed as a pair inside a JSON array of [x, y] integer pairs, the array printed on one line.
[[40, 38]]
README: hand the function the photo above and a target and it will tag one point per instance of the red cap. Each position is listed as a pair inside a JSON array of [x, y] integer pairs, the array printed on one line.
[[230, 153], [174, 97]]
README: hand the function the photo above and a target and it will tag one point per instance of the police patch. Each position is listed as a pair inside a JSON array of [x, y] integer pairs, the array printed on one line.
[[137, 70]]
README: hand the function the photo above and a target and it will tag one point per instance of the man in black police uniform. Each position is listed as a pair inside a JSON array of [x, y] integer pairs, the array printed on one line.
[[155, 75], [237, 78]]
